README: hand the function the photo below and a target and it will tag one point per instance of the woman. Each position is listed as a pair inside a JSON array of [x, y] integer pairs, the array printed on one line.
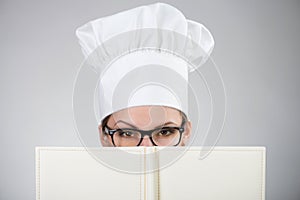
[[143, 57], [145, 126]]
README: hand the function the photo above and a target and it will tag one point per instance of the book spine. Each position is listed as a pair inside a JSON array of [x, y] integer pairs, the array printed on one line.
[[151, 174]]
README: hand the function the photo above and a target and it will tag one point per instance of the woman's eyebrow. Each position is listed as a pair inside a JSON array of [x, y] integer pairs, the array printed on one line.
[[164, 124], [121, 121], [167, 123]]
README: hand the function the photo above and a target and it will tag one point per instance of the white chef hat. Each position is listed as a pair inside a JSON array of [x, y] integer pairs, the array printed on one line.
[[144, 56]]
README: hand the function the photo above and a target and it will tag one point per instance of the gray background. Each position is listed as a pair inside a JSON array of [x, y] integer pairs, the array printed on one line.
[[257, 50]]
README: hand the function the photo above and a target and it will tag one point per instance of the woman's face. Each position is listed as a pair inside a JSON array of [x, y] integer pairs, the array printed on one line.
[[146, 118]]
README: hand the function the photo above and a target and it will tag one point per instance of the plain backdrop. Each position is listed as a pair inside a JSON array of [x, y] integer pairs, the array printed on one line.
[[257, 51]]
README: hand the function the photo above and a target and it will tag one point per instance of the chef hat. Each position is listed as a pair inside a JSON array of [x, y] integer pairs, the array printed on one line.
[[144, 56]]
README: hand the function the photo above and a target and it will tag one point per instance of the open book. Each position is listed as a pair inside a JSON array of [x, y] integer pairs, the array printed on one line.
[[74, 173]]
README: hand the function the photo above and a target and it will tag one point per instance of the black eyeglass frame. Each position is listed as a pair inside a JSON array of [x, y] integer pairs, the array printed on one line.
[[111, 132]]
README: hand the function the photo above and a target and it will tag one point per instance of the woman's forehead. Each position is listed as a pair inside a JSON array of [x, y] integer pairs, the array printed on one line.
[[147, 115]]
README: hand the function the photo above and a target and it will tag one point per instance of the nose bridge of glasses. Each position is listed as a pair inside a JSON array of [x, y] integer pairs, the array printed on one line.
[[146, 141]]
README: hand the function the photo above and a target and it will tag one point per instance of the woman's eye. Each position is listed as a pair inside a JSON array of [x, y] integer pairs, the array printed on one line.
[[126, 134], [166, 132]]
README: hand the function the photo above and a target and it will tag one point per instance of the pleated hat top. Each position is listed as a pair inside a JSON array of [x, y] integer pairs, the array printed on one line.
[[144, 56]]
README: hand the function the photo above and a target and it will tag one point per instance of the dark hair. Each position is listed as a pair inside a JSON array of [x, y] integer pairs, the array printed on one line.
[[104, 122]]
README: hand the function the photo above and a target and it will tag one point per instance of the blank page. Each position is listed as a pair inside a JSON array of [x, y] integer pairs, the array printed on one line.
[[67, 173], [233, 173]]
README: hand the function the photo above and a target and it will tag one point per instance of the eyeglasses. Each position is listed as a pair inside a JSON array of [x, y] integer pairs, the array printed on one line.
[[164, 136]]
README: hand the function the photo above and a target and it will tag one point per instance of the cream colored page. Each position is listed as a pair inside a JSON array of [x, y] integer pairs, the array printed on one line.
[[72, 174], [233, 173]]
